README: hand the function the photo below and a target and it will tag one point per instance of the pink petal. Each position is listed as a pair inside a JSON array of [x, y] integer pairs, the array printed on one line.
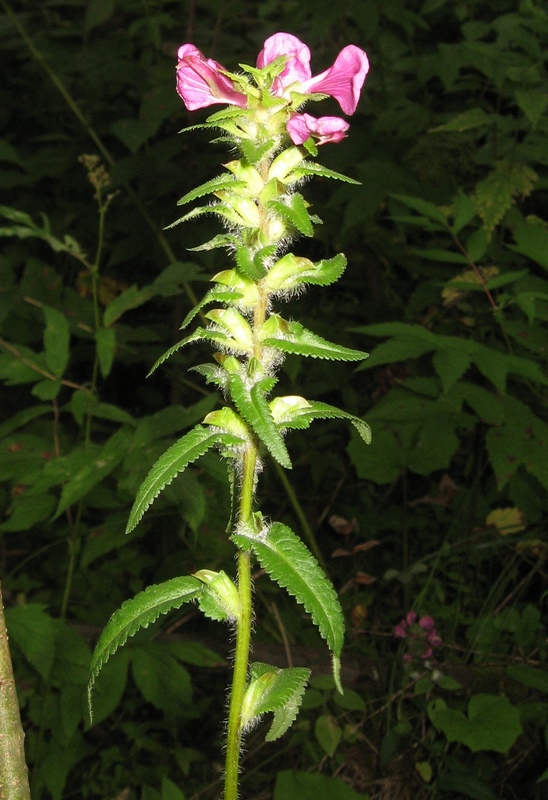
[[200, 82], [400, 631], [343, 80], [325, 129], [297, 66], [411, 618], [427, 623]]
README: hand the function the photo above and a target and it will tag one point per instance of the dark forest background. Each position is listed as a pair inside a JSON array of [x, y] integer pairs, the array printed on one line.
[[445, 513]]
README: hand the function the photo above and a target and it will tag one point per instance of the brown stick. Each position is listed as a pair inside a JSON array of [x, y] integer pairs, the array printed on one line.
[[14, 783]]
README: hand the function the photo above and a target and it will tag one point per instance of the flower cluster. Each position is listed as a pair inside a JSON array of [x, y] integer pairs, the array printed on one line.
[[420, 634], [283, 75]]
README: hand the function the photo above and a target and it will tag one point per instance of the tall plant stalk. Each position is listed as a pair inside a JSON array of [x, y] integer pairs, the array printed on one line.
[[257, 199]]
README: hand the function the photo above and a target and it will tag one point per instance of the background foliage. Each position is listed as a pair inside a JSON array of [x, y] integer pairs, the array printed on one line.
[[445, 512]]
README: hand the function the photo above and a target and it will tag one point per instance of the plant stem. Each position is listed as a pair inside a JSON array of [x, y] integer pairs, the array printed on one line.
[[14, 782], [243, 635]]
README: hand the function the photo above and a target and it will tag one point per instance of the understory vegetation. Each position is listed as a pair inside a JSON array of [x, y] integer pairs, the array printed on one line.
[[434, 535]]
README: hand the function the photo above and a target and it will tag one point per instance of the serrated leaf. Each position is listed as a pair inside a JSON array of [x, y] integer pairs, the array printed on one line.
[[294, 212], [140, 612], [310, 168], [193, 445], [215, 295], [214, 185], [295, 415], [495, 195], [254, 408], [277, 690], [286, 559], [221, 209], [221, 240], [292, 337]]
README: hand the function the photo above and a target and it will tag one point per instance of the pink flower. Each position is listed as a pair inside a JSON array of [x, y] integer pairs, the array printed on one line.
[[325, 129], [421, 635], [343, 80], [200, 82]]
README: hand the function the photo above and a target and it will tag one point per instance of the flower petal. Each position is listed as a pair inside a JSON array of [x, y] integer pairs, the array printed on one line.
[[325, 129], [200, 82], [297, 65], [343, 80]]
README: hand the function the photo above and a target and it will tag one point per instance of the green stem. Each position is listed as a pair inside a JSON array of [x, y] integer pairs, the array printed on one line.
[[243, 635]]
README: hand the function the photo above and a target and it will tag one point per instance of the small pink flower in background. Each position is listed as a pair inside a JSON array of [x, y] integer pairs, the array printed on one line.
[[325, 129], [200, 82], [422, 638]]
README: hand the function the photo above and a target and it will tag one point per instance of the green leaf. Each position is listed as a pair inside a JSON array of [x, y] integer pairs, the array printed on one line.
[[292, 337], [286, 559], [131, 298], [492, 723], [532, 677], [56, 340], [224, 181], [277, 690], [292, 271], [254, 408], [423, 207], [105, 340], [98, 467], [533, 103], [140, 612], [193, 445], [216, 295], [532, 241], [328, 733], [296, 412], [34, 633], [293, 785], [471, 119], [311, 168], [295, 212]]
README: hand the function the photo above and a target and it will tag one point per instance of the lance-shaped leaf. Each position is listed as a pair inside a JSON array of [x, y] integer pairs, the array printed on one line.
[[277, 690], [292, 271], [221, 209], [295, 412], [310, 168], [219, 338], [295, 212], [221, 240], [217, 294], [220, 182], [193, 445], [286, 559], [253, 406], [292, 337], [140, 612]]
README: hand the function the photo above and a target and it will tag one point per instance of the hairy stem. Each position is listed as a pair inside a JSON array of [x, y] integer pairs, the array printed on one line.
[[243, 635]]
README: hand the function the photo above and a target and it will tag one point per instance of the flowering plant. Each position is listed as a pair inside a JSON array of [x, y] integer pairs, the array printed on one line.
[[420, 634], [257, 200]]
